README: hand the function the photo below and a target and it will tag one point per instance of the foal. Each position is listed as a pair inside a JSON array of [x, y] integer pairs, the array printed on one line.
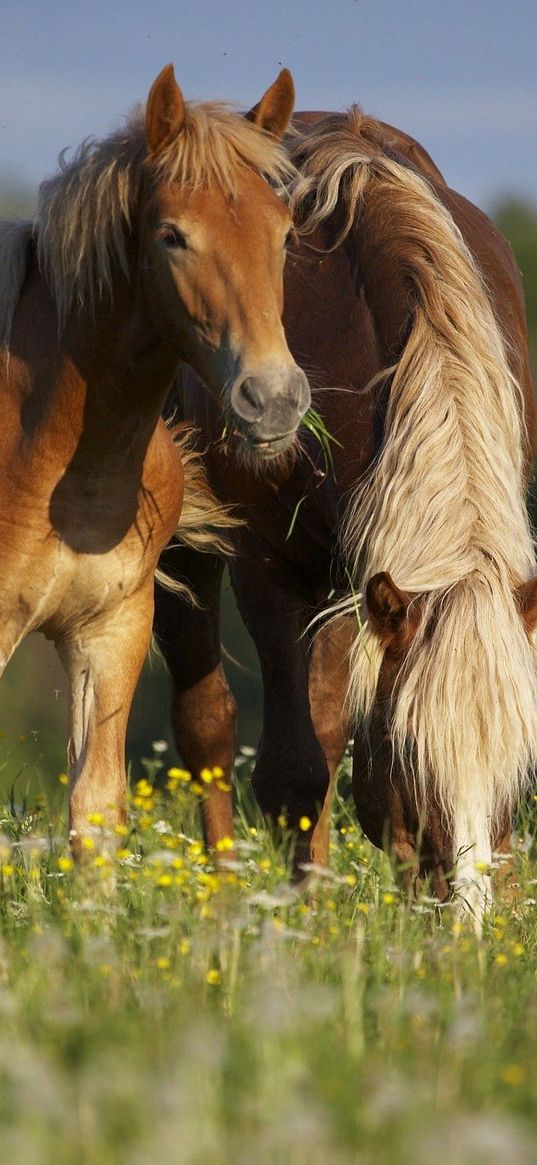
[[162, 243]]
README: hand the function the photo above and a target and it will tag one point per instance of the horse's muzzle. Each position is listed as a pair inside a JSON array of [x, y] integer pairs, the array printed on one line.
[[267, 409]]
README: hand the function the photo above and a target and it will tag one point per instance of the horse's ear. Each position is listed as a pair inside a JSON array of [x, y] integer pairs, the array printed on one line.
[[273, 112], [527, 598], [388, 610], [165, 111]]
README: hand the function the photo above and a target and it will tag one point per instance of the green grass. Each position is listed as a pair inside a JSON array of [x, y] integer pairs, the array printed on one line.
[[156, 1012]]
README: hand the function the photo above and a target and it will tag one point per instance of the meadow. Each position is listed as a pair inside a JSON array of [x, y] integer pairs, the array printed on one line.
[[158, 1008]]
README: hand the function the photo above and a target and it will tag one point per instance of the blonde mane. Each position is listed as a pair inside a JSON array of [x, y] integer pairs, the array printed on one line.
[[87, 210], [443, 506]]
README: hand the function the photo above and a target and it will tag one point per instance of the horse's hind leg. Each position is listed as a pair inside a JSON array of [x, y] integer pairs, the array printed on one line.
[[203, 710], [328, 679], [103, 660]]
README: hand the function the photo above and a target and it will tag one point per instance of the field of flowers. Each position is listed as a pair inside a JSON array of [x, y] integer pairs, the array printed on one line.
[[157, 1009]]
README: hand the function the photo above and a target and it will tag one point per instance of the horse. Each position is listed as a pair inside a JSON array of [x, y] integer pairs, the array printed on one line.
[[404, 305], [160, 243]]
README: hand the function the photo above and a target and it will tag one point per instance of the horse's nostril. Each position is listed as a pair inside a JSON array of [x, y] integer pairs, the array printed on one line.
[[249, 395], [247, 400]]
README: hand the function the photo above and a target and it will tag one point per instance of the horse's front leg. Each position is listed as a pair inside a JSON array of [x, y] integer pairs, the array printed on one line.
[[103, 659], [291, 775], [203, 710], [328, 680]]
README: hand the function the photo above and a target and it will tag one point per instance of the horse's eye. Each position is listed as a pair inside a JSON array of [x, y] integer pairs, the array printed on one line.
[[172, 237], [290, 238]]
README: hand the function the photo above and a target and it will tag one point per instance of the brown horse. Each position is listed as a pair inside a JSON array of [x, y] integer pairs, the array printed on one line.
[[403, 300], [163, 242]]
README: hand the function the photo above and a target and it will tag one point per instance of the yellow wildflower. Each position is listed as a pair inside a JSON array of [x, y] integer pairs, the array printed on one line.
[[181, 775], [63, 779], [95, 819], [513, 1074], [143, 788], [213, 977], [65, 864], [225, 843], [304, 824]]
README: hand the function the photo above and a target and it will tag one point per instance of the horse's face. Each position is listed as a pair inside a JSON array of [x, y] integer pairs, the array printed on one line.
[[394, 616], [214, 273], [381, 789], [218, 268]]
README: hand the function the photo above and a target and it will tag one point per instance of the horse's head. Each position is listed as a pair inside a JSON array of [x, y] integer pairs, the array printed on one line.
[[214, 238], [429, 762], [394, 616]]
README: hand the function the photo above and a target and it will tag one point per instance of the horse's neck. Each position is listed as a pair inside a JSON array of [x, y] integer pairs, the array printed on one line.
[[124, 365]]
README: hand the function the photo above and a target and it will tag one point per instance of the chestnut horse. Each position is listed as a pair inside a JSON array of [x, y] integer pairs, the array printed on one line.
[[404, 301], [162, 242]]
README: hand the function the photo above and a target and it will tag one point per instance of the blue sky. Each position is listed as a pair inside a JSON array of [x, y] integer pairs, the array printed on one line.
[[461, 75]]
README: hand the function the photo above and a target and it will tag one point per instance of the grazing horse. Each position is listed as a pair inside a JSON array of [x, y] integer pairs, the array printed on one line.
[[160, 243], [404, 304]]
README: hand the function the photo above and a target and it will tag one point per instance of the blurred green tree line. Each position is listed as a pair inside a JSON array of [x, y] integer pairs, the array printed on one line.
[[33, 695]]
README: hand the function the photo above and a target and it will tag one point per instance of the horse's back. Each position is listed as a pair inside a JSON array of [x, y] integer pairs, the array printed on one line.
[[392, 139]]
